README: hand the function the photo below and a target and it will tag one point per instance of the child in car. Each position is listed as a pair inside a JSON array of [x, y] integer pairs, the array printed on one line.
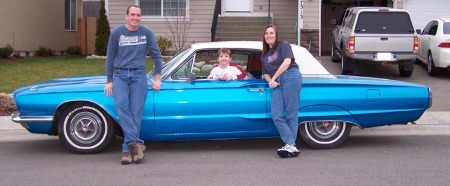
[[225, 69]]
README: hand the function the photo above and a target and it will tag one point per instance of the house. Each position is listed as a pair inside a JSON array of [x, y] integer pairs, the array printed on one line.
[[236, 19], [27, 25]]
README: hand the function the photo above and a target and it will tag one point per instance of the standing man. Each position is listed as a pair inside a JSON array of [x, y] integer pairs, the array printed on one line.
[[127, 78]]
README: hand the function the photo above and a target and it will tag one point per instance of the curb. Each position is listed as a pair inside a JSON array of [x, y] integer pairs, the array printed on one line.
[[428, 118]]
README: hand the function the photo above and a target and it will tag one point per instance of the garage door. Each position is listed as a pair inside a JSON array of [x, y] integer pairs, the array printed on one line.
[[422, 11]]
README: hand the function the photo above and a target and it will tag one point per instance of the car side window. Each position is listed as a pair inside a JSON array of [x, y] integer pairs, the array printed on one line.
[[349, 21], [183, 72], [433, 30], [203, 61], [430, 29], [446, 27], [427, 28], [343, 17]]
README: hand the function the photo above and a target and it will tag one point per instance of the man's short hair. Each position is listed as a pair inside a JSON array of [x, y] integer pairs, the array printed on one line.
[[128, 9]]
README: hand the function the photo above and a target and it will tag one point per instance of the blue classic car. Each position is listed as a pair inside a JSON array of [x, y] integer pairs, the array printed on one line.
[[191, 107]]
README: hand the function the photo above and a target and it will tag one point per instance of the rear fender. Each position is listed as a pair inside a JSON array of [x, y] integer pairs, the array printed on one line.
[[325, 113]]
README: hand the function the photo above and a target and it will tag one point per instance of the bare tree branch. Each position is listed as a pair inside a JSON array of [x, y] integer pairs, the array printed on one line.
[[179, 27]]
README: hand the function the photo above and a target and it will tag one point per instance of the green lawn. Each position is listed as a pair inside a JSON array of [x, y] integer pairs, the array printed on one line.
[[31, 70]]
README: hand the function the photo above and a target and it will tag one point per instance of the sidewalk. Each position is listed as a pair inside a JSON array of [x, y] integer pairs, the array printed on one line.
[[428, 118]]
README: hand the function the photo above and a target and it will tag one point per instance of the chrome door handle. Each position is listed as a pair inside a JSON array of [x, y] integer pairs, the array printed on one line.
[[260, 90]]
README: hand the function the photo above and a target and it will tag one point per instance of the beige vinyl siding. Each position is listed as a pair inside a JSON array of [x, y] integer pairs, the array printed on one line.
[[284, 18], [311, 14], [200, 12], [28, 24]]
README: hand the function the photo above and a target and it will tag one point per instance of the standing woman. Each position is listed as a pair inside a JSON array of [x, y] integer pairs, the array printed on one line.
[[282, 73]]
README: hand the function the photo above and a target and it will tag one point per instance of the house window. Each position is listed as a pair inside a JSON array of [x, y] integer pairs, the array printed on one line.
[[163, 8], [91, 8], [70, 15]]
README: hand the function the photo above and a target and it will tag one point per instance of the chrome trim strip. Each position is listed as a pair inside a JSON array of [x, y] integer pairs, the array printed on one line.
[[15, 117], [430, 98]]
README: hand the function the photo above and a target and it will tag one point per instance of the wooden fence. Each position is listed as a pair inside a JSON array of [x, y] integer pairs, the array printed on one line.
[[87, 28]]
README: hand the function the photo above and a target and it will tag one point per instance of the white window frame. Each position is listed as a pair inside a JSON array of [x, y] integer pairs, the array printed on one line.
[[161, 17]]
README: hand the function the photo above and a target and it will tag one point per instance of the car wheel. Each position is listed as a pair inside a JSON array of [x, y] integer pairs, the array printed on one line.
[[324, 134], [85, 129], [346, 64], [406, 69], [334, 56], [431, 69]]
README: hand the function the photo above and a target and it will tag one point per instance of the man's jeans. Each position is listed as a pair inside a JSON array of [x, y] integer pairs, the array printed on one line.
[[130, 91], [285, 102]]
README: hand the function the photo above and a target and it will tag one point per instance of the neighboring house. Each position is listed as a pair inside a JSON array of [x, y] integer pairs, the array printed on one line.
[[27, 24]]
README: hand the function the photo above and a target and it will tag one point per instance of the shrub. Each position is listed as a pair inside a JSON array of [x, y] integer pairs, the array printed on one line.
[[73, 50], [164, 44], [103, 31], [43, 51], [50, 52], [6, 51]]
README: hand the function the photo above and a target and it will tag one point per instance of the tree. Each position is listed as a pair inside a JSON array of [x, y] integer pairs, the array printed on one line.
[[103, 31], [179, 27]]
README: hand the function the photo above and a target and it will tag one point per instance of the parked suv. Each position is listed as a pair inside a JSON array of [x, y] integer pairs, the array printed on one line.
[[378, 35]]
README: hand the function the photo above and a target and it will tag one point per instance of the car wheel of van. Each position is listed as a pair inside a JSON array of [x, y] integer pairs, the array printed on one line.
[[324, 134], [334, 56], [431, 69], [85, 129], [346, 65], [406, 69]]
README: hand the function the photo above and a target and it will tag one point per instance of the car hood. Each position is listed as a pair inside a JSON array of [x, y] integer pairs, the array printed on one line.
[[72, 84]]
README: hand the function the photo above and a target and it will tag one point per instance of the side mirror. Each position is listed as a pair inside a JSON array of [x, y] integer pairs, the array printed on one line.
[[418, 31], [333, 21]]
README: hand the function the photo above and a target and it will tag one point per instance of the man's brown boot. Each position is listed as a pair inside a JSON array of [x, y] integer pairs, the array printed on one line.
[[138, 151], [126, 159]]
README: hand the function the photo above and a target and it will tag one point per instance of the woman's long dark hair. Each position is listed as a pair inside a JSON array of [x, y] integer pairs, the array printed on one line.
[[266, 46]]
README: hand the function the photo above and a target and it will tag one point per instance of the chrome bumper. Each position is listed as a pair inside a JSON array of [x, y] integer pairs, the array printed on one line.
[[38, 119], [371, 57]]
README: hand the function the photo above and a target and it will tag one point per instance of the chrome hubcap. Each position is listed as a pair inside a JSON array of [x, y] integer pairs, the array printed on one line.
[[85, 127], [324, 129]]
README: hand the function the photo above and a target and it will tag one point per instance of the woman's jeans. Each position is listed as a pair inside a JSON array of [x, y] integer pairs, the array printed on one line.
[[130, 91], [285, 105]]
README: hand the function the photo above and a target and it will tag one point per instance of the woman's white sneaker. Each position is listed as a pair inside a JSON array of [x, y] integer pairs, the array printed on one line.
[[288, 151]]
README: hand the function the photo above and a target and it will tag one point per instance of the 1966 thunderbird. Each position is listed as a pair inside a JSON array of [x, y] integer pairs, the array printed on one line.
[[191, 107]]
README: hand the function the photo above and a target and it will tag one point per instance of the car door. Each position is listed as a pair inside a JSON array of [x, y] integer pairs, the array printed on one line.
[[208, 109], [425, 39]]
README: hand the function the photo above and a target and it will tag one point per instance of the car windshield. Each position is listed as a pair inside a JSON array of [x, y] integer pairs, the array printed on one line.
[[173, 60], [447, 28], [384, 23]]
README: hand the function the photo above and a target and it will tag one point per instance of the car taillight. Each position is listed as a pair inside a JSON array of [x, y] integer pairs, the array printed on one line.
[[444, 45], [416, 44], [351, 43]]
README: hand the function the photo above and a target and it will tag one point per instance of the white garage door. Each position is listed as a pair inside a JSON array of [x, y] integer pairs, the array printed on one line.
[[422, 11]]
